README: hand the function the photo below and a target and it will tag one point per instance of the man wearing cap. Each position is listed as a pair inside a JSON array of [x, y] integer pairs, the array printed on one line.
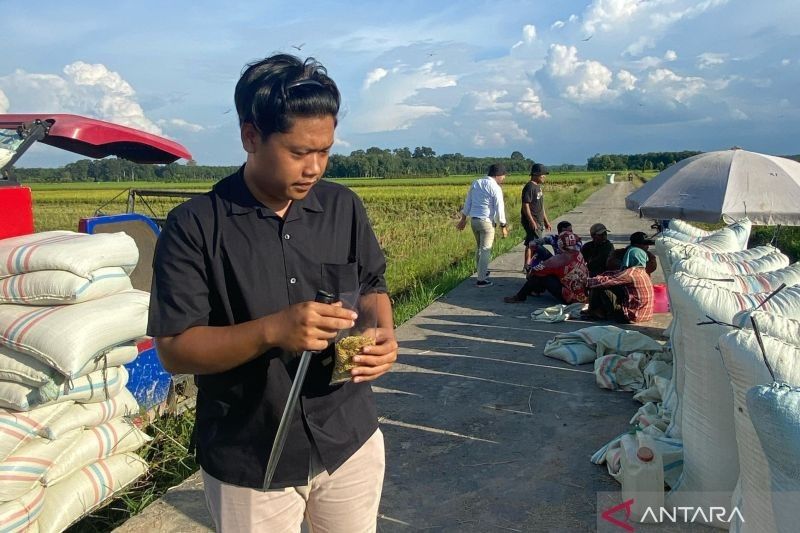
[[621, 259], [597, 251], [533, 215], [625, 296], [484, 207]]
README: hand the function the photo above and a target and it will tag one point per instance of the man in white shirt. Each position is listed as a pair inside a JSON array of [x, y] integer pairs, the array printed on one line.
[[484, 207]]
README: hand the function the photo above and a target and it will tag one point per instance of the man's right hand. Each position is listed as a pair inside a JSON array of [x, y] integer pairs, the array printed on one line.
[[307, 326]]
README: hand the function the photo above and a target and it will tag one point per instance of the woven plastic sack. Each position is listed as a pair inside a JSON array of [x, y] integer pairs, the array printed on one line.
[[58, 287], [702, 267], [775, 411], [706, 405], [26, 370], [95, 387], [670, 251], [21, 514], [741, 229], [77, 495], [22, 470], [82, 415], [745, 363], [687, 229], [18, 428], [112, 438], [79, 253], [85, 330]]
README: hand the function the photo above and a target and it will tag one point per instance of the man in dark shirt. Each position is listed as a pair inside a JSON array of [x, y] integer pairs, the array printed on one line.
[[597, 251], [534, 218], [235, 275]]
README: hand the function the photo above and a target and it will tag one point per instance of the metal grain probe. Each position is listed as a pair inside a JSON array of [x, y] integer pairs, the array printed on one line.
[[291, 402]]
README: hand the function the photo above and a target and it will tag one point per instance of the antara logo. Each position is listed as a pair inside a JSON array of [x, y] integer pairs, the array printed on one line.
[[686, 515]]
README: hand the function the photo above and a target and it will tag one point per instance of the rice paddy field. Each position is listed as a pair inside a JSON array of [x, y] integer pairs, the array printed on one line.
[[414, 220]]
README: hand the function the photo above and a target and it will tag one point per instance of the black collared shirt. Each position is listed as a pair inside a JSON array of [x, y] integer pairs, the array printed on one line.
[[224, 258]]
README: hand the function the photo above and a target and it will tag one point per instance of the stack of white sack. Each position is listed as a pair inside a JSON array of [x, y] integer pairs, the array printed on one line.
[[759, 359], [706, 422], [763, 282], [69, 321], [719, 265]]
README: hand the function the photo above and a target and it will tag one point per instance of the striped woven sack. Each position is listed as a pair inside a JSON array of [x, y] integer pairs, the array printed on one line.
[[21, 514], [59, 287], [17, 428], [82, 415]]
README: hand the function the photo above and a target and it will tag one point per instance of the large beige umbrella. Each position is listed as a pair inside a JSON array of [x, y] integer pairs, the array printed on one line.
[[733, 183]]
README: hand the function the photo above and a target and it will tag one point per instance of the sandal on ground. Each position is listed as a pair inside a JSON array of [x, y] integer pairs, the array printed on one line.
[[513, 300]]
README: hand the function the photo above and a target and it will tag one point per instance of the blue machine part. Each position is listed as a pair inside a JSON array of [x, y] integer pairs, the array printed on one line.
[[148, 381]]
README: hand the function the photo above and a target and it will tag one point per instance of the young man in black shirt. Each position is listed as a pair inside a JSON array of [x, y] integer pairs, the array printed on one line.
[[534, 217], [235, 275]]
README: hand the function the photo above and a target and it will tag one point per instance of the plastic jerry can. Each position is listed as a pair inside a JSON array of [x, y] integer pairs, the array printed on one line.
[[642, 477]]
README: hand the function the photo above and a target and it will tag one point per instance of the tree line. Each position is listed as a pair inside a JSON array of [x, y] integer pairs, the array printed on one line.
[[648, 161], [370, 163]]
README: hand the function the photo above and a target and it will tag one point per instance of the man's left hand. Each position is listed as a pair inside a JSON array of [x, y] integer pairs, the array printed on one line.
[[374, 361]]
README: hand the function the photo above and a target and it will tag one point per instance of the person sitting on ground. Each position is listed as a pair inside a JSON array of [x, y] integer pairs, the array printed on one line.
[[538, 251], [625, 296], [563, 275], [597, 251], [620, 259]]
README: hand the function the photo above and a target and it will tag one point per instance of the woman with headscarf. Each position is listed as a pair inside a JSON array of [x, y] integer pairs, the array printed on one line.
[[563, 275], [625, 296]]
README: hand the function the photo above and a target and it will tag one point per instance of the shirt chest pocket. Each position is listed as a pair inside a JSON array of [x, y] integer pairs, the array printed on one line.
[[338, 278]]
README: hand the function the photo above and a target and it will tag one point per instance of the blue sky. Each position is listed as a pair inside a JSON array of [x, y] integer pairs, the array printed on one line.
[[557, 80]]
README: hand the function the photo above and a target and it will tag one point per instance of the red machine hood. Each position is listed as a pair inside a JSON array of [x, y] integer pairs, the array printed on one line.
[[97, 139]]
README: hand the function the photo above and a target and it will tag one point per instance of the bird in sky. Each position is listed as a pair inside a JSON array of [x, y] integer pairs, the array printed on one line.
[[298, 47], [589, 37]]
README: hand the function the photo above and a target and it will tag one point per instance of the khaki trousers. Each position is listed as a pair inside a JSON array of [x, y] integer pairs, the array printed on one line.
[[483, 229], [345, 502]]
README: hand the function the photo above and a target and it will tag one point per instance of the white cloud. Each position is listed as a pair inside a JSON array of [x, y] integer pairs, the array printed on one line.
[[531, 105], [397, 105], [785, 62], [4, 104], [337, 141], [626, 80], [581, 81], [639, 45], [375, 76], [661, 18], [562, 60], [647, 62], [84, 89], [606, 15], [670, 55], [710, 59], [181, 124], [592, 85], [670, 86], [498, 133], [490, 100], [528, 35], [557, 25], [573, 18]]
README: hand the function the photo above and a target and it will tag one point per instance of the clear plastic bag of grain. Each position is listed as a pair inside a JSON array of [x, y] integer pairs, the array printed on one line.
[[349, 342]]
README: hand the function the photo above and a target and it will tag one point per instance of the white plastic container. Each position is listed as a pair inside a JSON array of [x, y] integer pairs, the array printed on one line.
[[642, 476]]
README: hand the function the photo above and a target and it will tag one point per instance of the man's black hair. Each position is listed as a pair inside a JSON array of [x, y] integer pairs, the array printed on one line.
[[562, 226], [274, 91]]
